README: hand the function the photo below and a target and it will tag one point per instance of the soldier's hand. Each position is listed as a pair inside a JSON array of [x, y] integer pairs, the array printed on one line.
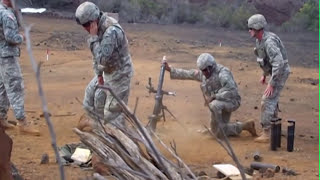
[[100, 80], [166, 65], [23, 36], [94, 28], [263, 79], [269, 91]]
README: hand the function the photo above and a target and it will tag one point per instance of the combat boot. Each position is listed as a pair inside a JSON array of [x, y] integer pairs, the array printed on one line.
[[250, 127], [5, 124], [264, 137], [26, 128], [85, 124]]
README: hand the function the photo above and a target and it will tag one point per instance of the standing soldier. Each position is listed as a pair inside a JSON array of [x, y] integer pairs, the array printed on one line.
[[273, 60], [11, 83], [111, 58], [220, 92]]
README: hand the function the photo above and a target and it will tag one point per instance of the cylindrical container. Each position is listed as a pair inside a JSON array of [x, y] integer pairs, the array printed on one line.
[[258, 166], [257, 156], [273, 136], [290, 135], [278, 124]]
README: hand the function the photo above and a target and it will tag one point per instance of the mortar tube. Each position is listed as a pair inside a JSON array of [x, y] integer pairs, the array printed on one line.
[[258, 166], [278, 125], [273, 136], [290, 135]]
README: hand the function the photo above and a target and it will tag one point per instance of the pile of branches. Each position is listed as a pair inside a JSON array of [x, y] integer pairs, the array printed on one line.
[[129, 152]]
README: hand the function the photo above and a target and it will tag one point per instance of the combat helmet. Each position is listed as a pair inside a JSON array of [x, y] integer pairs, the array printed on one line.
[[205, 60], [87, 12], [257, 22]]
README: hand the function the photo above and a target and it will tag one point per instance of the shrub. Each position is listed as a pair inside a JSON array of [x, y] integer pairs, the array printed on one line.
[[241, 15], [306, 18]]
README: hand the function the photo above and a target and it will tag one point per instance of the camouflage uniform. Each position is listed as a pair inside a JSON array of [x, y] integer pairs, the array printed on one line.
[[94, 99], [11, 82], [112, 59], [273, 60], [222, 85]]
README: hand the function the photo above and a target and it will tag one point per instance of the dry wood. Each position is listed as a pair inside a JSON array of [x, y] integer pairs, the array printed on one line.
[[36, 69]]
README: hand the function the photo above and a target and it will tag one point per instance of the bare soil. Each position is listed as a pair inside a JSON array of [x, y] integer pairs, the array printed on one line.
[[69, 70]]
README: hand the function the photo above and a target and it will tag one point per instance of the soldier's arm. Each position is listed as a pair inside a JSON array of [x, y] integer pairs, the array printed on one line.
[[276, 60], [103, 50], [11, 30], [228, 86], [183, 74]]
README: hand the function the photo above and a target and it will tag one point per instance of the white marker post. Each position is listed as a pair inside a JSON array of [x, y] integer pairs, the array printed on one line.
[[47, 54]]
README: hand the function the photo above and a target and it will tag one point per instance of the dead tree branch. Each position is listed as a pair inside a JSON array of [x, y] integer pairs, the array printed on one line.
[[36, 69]]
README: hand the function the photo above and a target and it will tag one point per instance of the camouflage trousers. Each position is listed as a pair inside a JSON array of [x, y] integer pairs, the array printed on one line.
[[120, 84], [94, 99], [221, 112], [11, 88], [269, 105]]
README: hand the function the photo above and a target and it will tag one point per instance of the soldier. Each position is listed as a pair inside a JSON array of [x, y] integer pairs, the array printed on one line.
[[273, 60], [220, 93], [111, 58], [11, 83], [94, 98]]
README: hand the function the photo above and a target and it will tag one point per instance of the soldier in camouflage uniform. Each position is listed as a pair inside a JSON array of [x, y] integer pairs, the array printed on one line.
[[111, 58], [11, 83], [94, 99], [220, 92], [272, 58]]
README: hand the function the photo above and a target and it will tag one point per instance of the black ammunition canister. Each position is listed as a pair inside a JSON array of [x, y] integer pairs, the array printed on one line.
[[259, 165], [273, 137], [278, 124], [290, 135]]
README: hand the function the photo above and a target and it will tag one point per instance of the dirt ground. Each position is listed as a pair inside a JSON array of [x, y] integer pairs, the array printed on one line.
[[69, 70]]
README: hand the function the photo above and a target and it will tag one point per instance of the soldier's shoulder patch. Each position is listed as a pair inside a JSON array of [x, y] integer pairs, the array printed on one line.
[[11, 16]]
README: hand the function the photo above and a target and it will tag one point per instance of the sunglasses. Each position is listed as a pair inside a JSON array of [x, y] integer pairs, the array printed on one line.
[[87, 24]]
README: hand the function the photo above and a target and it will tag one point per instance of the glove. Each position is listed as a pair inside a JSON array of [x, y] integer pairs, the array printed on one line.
[[100, 80]]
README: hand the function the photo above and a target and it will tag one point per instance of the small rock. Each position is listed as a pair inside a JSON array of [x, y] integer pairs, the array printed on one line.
[[44, 159], [50, 70], [269, 173], [256, 107], [301, 135], [311, 137], [71, 102], [292, 99], [42, 115], [289, 172], [137, 83], [83, 78], [202, 173], [241, 69]]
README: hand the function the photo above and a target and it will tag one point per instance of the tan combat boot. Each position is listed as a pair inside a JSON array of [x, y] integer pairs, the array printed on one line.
[[85, 124], [250, 127], [5, 124], [26, 128], [264, 137]]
